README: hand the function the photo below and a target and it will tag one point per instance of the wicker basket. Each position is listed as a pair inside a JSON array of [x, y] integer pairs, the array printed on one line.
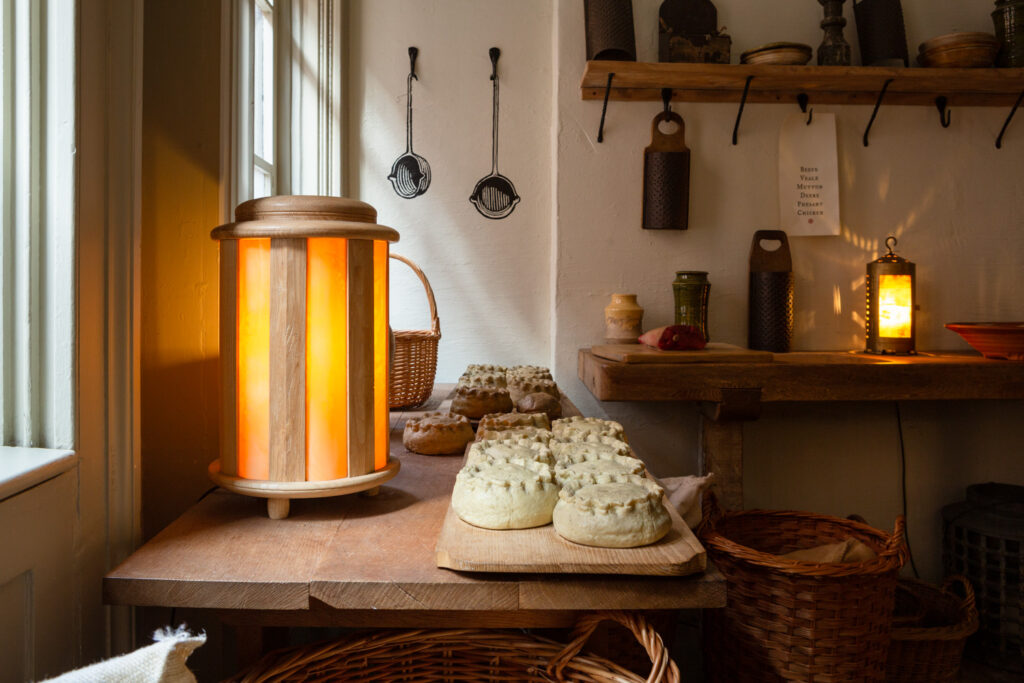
[[787, 620], [468, 655], [930, 650], [415, 361]]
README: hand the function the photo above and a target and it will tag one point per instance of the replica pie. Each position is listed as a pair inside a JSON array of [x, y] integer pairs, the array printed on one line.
[[581, 451], [528, 433], [504, 495], [518, 451], [586, 429], [528, 371], [499, 421], [540, 404], [475, 402], [437, 434], [483, 369], [616, 469], [519, 387], [484, 379], [616, 515]]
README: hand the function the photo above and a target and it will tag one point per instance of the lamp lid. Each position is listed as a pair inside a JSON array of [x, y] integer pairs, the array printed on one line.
[[890, 257], [305, 216]]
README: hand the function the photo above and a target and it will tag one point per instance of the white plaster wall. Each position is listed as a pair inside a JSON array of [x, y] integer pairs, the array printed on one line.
[[491, 278]]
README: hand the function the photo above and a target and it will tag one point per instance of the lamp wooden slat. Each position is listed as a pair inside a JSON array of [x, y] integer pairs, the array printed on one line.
[[228, 357], [360, 357], [288, 351]]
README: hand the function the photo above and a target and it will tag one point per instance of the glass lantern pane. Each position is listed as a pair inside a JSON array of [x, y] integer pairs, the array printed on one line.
[[895, 306]]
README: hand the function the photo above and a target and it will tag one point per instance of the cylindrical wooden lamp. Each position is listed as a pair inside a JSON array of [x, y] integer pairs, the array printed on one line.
[[303, 350]]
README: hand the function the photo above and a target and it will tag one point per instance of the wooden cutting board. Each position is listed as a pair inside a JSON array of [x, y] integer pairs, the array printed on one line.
[[714, 352]]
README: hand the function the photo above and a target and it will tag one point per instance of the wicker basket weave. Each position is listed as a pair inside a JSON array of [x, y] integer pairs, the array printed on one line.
[[930, 650], [415, 361], [469, 655], [787, 620]]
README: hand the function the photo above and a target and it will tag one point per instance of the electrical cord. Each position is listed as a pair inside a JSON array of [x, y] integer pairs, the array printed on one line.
[[903, 489]]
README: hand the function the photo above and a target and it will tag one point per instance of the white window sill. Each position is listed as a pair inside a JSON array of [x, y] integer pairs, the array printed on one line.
[[23, 468]]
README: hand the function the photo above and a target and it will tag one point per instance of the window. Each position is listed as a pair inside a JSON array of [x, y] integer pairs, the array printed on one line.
[[264, 173]]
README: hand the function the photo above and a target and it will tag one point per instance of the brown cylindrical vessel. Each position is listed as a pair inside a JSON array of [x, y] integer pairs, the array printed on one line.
[[609, 28]]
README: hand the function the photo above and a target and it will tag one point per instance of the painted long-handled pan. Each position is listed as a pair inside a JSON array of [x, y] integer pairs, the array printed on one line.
[[494, 195], [410, 174]]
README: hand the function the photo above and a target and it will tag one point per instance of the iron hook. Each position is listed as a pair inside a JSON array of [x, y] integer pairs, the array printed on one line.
[[802, 99], [495, 53], [739, 114], [945, 116], [604, 107], [878, 103], [999, 140], [413, 52], [666, 99]]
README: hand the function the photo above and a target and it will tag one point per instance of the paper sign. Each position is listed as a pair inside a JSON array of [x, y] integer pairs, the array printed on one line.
[[809, 176]]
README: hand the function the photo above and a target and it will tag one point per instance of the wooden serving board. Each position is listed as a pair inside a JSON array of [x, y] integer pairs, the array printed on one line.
[[715, 352]]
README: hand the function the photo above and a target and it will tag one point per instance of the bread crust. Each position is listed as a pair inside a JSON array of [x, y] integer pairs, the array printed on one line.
[[437, 434]]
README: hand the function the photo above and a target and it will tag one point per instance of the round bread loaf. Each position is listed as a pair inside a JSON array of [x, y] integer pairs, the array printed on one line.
[[503, 495], [617, 468], [528, 371], [586, 429], [528, 433], [519, 387], [475, 402], [517, 451], [437, 434], [540, 404], [485, 379], [498, 421], [616, 515], [579, 451]]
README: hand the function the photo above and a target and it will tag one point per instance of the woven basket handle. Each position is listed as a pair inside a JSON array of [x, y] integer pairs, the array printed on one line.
[[663, 669], [968, 610], [435, 323]]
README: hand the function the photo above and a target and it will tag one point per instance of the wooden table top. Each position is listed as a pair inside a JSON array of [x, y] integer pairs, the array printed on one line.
[[810, 376], [366, 557]]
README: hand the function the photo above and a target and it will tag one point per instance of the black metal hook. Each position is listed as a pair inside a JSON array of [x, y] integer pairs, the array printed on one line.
[[413, 52], [878, 103], [495, 53], [666, 99], [945, 116], [999, 140], [739, 114], [802, 99], [604, 107]]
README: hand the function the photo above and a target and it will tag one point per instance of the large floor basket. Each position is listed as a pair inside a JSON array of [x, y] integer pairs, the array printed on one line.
[[788, 620], [415, 361], [464, 655]]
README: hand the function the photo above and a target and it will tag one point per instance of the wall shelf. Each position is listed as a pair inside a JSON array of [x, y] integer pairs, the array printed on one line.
[[638, 81]]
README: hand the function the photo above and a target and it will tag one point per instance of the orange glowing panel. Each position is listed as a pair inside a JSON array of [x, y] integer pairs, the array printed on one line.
[[895, 300], [381, 417], [326, 357], [254, 358]]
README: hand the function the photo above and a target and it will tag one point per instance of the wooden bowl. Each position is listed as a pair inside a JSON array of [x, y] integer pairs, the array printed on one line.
[[959, 50], [778, 53], [1004, 341]]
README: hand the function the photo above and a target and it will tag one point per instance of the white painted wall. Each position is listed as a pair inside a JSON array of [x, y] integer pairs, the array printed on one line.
[[532, 287]]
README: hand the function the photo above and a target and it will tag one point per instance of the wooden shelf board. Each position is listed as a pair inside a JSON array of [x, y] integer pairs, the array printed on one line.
[[640, 81]]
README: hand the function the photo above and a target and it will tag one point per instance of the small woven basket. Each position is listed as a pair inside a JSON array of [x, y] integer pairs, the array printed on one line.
[[929, 650], [787, 620], [469, 655], [415, 361]]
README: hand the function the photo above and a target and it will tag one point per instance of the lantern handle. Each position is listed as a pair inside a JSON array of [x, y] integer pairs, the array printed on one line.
[[890, 247]]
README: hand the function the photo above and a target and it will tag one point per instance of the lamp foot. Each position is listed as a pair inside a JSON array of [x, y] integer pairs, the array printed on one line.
[[277, 508], [371, 492]]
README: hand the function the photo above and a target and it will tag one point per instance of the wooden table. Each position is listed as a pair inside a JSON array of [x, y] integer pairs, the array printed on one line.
[[366, 561], [730, 393]]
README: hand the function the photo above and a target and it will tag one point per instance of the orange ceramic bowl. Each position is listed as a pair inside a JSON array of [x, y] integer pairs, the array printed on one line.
[[994, 340]]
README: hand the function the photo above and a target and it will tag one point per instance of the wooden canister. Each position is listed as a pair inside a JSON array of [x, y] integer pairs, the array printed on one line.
[[666, 177], [623, 320]]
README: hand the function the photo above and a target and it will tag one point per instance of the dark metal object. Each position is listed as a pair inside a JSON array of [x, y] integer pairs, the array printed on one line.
[[770, 299], [802, 99], [886, 266], [874, 112], [739, 114], [1006, 124], [688, 32], [666, 204], [881, 32], [410, 174], [494, 195], [609, 29], [945, 116], [834, 50], [1008, 19], [604, 107], [692, 290]]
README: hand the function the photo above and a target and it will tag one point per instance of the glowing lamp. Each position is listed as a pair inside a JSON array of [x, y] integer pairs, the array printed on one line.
[[303, 350], [891, 294]]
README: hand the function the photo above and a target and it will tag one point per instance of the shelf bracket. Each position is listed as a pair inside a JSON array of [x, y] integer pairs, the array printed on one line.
[[739, 114], [878, 103], [604, 107], [999, 140], [945, 116], [802, 99]]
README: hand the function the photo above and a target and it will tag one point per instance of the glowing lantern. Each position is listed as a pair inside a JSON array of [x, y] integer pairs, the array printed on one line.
[[891, 294], [304, 350]]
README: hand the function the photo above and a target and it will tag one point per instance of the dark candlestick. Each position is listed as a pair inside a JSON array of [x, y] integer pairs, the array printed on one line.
[[834, 50]]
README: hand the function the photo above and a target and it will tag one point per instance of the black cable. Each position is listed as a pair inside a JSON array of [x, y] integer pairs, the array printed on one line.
[[903, 489]]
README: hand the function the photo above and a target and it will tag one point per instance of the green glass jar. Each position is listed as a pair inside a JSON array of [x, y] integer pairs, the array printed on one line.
[[691, 288]]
